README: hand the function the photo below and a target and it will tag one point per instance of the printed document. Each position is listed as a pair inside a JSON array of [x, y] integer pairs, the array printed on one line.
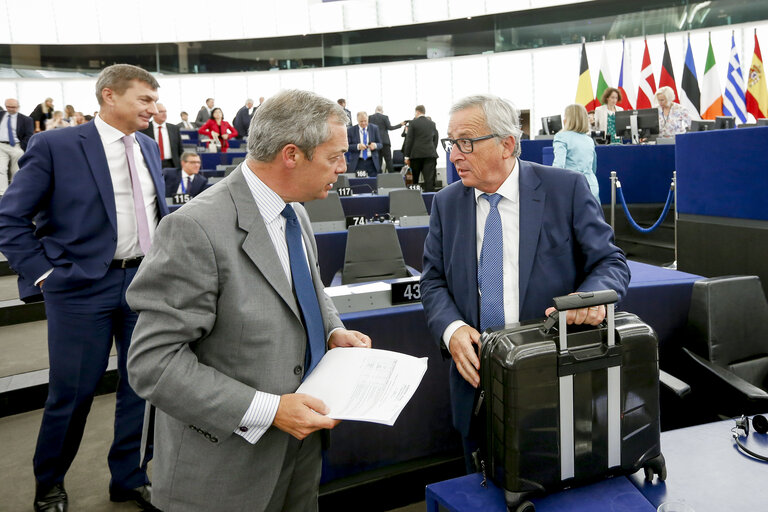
[[365, 384]]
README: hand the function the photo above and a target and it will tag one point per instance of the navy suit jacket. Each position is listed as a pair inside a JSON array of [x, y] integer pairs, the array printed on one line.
[[565, 246], [173, 179], [25, 128], [353, 139], [64, 185], [174, 136]]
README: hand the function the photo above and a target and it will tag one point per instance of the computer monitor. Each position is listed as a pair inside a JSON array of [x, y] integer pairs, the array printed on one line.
[[722, 122], [550, 125], [646, 124], [762, 122], [701, 125]]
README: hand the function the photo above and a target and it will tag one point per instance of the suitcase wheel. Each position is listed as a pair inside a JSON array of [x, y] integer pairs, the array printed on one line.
[[525, 506], [656, 466]]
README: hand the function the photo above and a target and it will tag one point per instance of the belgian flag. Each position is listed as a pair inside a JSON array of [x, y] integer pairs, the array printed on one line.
[[584, 94]]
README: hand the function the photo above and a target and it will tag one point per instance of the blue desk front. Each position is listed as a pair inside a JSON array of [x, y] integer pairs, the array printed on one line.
[[367, 205], [211, 160], [466, 494], [363, 185], [533, 150]]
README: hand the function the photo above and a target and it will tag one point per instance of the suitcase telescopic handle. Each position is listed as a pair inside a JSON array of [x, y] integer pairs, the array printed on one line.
[[585, 300]]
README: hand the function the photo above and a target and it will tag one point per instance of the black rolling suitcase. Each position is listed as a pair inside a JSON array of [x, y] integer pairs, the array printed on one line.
[[562, 410]]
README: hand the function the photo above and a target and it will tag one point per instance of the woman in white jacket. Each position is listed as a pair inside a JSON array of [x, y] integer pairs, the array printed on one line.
[[605, 114]]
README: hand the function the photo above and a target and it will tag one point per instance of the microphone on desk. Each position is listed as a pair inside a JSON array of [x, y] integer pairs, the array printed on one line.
[[370, 188]]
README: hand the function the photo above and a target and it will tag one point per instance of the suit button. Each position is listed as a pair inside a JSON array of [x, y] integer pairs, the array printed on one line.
[[243, 429], [297, 370]]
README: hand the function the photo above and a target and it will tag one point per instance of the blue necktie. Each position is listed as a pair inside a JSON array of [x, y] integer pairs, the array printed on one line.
[[304, 288], [490, 269], [365, 141], [11, 137]]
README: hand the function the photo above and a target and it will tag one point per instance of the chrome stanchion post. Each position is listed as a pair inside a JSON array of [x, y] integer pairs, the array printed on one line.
[[613, 200], [674, 187]]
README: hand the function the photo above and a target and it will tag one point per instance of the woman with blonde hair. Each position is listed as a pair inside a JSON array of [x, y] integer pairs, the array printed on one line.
[[42, 113], [57, 121], [673, 117], [574, 149]]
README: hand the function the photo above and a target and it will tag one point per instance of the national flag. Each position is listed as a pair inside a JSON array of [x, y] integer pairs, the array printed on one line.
[[733, 100], [667, 75], [757, 94], [690, 95], [604, 79], [584, 94], [647, 87], [625, 80], [711, 94]]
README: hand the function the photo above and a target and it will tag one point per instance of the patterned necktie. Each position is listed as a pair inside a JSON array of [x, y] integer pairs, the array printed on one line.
[[365, 141], [11, 137], [490, 269], [142, 224], [304, 288], [160, 142]]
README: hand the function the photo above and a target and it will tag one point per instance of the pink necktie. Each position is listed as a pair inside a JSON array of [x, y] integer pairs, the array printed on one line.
[[138, 197]]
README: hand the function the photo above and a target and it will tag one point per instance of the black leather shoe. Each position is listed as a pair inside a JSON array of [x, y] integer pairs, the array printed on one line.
[[142, 496], [51, 499]]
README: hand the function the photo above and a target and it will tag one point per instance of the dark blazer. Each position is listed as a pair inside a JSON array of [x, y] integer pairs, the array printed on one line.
[[64, 186], [242, 121], [382, 122], [175, 140], [422, 139], [25, 128], [202, 117], [172, 179], [353, 139], [565, 246]]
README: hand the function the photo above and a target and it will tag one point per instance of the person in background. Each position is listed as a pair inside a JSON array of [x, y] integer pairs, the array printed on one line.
[[219, 131], [573, 147], [79, 119], [242, 119], [364, 145], [167, 136], [605, 114], [15, 131], [343, 104], [381, 120], [57, 121], [420, 148], [41, 114], [69, 115], [186, 180], [185, 124], [673, 117], [205, 112]]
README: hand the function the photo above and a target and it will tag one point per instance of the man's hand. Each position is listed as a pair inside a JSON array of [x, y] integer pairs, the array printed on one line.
[[372, 146], [407, 161], [345, 338], [591, 316], [462, 346], [300, 415]]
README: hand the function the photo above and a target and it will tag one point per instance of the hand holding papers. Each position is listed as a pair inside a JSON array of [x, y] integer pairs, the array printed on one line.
[[365, 384]]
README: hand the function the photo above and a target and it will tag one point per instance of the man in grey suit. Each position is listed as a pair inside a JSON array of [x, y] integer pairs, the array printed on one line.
[[230, 303], [205, 113]]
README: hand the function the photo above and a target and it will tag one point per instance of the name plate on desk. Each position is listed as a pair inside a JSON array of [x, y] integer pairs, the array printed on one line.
[[406, 292], [361, 174], [356, 220], [414, 187], [344, 191], [180, 198]]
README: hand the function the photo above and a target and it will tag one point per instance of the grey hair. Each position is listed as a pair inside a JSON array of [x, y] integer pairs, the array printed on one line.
[[292, 117], [118, 77], [379, 109], [667, 92], [501, 116]]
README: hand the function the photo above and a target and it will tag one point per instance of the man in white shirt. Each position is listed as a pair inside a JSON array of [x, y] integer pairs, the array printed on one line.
[[186, 180], [15, 131], [364, 146], [167, 136], [233, 316], [95, 194], [185, 124]]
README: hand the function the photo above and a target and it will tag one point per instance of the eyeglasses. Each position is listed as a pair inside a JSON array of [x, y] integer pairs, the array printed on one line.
[[465, 145]]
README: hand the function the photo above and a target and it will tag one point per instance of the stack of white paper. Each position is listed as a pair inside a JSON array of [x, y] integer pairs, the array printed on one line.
[[365, 384]]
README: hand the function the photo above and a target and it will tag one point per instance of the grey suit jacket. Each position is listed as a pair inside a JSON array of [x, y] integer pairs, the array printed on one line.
[[217, 321]]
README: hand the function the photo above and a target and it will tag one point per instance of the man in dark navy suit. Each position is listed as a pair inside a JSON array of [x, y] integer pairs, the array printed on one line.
[[381, 121], [364, 145], [15, 131], [504, 241], [167, 136], [96, 194], [186, 180]]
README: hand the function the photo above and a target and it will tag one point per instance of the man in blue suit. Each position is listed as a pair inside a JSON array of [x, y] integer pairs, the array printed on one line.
[[186, 180], [364, 145], [95, 193], [15, 131], [504, 241]]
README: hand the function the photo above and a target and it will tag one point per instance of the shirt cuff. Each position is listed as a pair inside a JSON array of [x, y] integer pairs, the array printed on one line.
[[448, 332], [43, 277], [259, 416]]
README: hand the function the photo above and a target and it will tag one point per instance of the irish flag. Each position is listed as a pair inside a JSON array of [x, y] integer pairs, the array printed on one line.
[[711, 93], [757, 94]]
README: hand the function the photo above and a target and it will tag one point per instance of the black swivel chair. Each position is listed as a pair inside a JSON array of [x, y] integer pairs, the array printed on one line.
[[725, 352], [326, 214], [408, 206], [398, 161], [373, 253]]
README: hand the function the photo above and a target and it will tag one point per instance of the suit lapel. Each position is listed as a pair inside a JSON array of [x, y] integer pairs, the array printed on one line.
[[257, 244], [466, 249], [156, 173], [532, 199], [97, 162]]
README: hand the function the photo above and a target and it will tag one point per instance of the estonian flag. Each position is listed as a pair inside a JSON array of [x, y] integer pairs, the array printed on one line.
[[690, 95]]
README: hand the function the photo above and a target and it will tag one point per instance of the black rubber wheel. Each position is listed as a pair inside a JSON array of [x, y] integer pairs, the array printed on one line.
[[526, 506]]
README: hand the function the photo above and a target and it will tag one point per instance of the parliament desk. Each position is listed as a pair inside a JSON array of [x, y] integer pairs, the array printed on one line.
[[532, 150], [211, 160], [363, 185], [366, 205]]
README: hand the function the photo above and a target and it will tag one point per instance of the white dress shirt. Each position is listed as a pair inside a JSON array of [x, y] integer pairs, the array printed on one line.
[[361, 141], [166, 141], [509, 210], [184, 178]]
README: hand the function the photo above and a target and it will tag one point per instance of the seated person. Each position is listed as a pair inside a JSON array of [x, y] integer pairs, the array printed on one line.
[[186, 180]]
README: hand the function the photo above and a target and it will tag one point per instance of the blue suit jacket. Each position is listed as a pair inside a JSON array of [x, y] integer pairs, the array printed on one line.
[[64, 185], [565, 246], [353, 139], [25, 128], [172, 179]]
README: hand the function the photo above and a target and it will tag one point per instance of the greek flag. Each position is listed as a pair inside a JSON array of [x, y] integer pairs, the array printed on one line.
[[733, 100]]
